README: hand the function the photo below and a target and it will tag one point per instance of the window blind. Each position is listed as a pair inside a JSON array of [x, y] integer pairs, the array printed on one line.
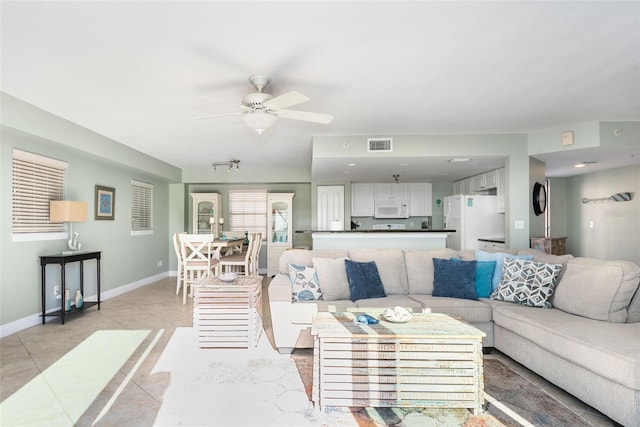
[[36, 180], [248, 211], [141, 207]]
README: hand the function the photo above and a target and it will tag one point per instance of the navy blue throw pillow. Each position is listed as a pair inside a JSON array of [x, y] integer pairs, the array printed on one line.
[[454, 279], [364, 280]]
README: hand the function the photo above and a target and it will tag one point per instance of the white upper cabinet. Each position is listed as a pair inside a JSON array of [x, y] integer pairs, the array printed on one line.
[[392, 191], [485, 181], [362, 199], [420, 199]]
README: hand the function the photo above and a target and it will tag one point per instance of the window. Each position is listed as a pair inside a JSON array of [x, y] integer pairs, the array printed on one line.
[[36, 180], [248, 211], [141, 208]]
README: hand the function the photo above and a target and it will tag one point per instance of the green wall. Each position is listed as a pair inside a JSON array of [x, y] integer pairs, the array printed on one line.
[[127, 261]]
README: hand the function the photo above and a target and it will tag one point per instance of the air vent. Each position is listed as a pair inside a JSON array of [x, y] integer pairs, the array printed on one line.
[[380, 145]]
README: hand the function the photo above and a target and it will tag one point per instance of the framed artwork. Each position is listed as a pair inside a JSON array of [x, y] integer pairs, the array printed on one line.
[[105, 203]]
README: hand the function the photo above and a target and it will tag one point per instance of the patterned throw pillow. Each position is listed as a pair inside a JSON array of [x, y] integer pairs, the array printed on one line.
[[527, 282], [304, 283]]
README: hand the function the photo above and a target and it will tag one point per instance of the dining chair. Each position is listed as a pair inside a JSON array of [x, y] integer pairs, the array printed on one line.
[[197, 260], [255, 253], [180, 275], [239, 262]]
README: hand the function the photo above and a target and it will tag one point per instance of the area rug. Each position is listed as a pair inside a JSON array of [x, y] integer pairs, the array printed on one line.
[[260, 387]]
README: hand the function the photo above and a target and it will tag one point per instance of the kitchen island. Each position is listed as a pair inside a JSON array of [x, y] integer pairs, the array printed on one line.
[[377, 239]]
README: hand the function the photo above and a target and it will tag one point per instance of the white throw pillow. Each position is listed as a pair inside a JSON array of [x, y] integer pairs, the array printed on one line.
[[332, 275]]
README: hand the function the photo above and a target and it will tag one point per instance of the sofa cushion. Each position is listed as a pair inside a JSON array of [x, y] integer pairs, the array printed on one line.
[[498, 257], [391, 267], [597, 289], [332, 275], [419, 267], [364, 280], [540, 256], [302, 312], [304, 283], [633, 314], [484, 275], [454, 279], [304, 256], [527, 282], [473, 311], [611, 350], [390, 302]]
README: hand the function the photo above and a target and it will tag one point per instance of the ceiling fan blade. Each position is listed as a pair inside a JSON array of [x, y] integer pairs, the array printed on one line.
[[235, 104], [305, 115], [218, 115], [285, 100]]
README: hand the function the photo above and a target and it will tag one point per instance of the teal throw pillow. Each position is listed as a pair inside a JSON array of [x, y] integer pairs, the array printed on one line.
[[455, 279], [498, 257], [484, 275], [364, 280]]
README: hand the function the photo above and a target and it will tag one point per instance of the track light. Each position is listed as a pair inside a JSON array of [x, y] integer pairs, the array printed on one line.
[[231, 165]]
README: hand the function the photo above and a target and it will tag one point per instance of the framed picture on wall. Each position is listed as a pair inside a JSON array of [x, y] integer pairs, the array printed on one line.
[[105, 202]]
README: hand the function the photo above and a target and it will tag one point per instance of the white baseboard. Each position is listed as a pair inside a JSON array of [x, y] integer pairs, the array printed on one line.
[[36, 319]]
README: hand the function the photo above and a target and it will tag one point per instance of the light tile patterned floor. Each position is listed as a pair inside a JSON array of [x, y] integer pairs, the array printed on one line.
[[49, 374]]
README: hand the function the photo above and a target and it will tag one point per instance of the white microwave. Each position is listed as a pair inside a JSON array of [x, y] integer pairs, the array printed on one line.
[[391, 209]]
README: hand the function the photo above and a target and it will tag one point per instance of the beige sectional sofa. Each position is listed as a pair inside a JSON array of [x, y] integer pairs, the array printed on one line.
[[587, 344]]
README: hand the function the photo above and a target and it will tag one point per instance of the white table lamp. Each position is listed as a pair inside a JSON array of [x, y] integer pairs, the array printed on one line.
[[68, 211]]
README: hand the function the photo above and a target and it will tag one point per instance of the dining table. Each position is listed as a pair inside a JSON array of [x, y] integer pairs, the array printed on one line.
[[225, 242]]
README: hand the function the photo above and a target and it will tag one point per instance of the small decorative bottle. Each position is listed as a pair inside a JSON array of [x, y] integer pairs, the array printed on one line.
[[67, 300], [79, 300]]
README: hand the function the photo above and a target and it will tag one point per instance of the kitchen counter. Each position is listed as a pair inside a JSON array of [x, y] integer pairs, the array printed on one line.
[[379, 239], [492, 239], [375, 231]]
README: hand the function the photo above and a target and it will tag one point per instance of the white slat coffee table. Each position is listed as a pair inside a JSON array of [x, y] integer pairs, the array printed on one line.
[[228, 314], [433, 361]]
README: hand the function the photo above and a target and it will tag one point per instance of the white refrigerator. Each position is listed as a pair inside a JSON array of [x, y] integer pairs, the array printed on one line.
[[472, 217]]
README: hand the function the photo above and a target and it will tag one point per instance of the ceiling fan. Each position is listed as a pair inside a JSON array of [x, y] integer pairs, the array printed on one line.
[[260, 110]]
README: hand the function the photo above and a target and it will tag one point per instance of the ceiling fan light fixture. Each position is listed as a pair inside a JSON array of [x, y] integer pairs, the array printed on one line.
[[259, 120]]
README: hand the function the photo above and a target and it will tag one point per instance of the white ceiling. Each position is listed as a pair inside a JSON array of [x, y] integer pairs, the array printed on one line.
[[135, 71]]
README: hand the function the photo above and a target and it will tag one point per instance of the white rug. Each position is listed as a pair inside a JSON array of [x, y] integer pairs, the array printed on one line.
[[257, 387]]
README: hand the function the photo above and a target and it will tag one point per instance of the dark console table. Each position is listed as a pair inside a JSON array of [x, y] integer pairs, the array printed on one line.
[[62, 260]]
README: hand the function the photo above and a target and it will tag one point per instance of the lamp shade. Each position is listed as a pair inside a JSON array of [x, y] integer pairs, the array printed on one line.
[[67, 211], [259, 120]]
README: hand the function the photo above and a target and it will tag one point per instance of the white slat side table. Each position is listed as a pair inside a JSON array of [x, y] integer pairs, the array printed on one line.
[[228, 314], [433, 361]]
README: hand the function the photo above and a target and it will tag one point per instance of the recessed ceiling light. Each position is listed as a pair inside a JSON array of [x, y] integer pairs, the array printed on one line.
[[579, 165], [403, 163], [351, 164], [459, 160]]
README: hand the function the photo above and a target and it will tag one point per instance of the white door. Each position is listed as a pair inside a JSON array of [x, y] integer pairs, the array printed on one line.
[[330, 207]]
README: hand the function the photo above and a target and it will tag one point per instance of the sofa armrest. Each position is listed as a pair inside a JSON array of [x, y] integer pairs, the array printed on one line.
[[280, 289]]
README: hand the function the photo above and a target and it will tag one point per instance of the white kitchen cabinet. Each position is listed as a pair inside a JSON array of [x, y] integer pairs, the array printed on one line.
[[362, 199], [206, 213], [280, 228], [420, 195], [458, 187], [485, 181], [391, 191], [500, 190], [330, 207]]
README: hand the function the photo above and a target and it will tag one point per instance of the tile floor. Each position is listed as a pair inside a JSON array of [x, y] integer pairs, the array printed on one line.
[[56, 374]]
